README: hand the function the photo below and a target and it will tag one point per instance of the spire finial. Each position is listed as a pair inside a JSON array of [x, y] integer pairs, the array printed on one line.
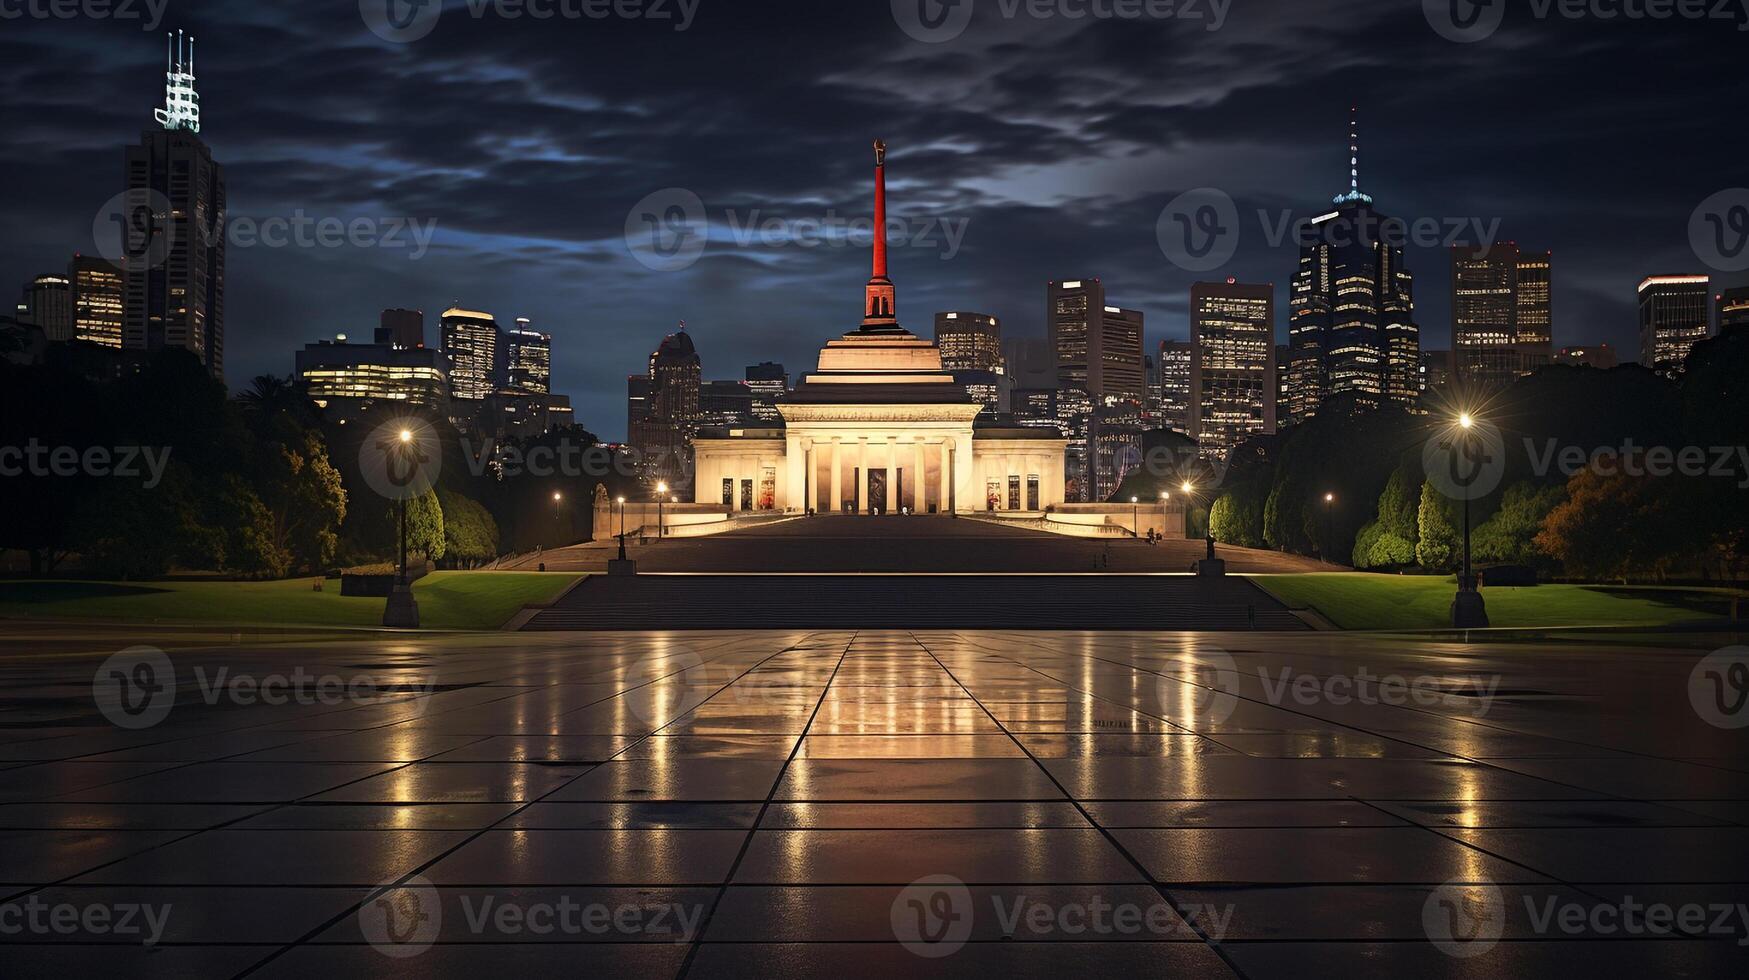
[[181, 102], [1354, 193], [879, 297]]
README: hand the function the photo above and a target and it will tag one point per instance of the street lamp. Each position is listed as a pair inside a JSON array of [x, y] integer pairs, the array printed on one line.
[[557, 497], [1329, 535], [622, 519], [401, 609], [661, 494], [1135, 517], [1467, 609]]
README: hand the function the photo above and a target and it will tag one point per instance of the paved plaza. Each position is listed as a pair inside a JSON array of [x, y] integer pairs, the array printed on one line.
[[867, 804]]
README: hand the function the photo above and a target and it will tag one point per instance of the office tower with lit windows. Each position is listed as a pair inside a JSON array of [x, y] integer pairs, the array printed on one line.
[[99, 299], [1733, 308], [1501, 313], [528, 358], [969, 341], [664, 412], [401, 328], [471, 350], [1675, 314], [1174, 359], [769, 383], [1232, 366], [1351, 325], [48, 304], [174, 242], [1098, 347], [348, 380]]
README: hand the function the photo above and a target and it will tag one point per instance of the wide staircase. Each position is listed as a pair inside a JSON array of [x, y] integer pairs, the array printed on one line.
[[915, 601]]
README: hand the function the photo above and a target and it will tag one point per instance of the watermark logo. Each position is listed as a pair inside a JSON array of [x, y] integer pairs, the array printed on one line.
[[400, 21], [402, 919], [933, 21], [1213, 690], [1464, 21], [1719, 230], [401, 460], [932, 916], [134, 229], [1465, 462], [135, 688], [1464, 920], [1199, 229], [1718, 688], [123, 462], [667, 230]]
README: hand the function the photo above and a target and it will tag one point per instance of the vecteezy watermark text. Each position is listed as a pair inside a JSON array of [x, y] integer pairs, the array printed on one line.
[[936, 21], [37, 460], [33, 916], [406, 21], [153, 10]]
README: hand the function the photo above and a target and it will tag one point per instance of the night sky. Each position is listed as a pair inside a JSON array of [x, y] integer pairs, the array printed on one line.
[[1054, 142]]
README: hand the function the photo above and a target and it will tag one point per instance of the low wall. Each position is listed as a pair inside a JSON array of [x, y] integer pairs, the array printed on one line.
[[641, 518], [1083, 519]]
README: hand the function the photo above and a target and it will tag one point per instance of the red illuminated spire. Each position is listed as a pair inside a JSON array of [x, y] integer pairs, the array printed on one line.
[[878, 311]]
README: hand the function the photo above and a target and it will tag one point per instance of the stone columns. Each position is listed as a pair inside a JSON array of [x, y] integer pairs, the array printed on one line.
[[944, 477], [862, 474], [917, 483], [836, 504], [892, 474]]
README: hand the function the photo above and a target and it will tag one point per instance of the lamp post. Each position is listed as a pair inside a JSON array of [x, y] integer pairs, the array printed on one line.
[[661, 494], [557, 533], [1329, 543], [622, 518], [1135, 517], [401, 609], [1467, 609]]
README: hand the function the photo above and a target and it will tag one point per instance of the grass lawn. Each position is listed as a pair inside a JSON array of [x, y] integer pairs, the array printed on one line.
[[447, 600], [1357, 600]]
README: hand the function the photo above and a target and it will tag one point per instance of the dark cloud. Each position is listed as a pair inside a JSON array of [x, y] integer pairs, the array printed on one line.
[[1056, 142]]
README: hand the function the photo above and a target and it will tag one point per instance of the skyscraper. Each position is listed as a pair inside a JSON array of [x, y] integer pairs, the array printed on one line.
[[666, 419], [1501, 312], [99, 300], [48, 303], [969, 341], [471, 342], [1352, 325], [401, 328], [1733, 307], [528, 358], [348, 380], [1674, 316], [1174, 360], [1232, 367], [175, 243]]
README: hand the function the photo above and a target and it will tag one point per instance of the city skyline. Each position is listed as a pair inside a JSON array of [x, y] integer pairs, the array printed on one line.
[[1043, 194]]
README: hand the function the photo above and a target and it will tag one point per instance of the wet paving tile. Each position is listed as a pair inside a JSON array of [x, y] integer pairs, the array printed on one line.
[[591, 857], [39, 856], [572, 914], [1649, 854], [1408, 855], [1539, 958], [1027, 913], [635, 816], [914, 779], [232, 782], [537, 748], [379, 816], [1546, 813], [153, 914], [363, 858], [534, 961], [1021, 961], [910, 747], [674, 779], [457, 782], [923, 816], [1230, 813], [901, 856], [120, 816]]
